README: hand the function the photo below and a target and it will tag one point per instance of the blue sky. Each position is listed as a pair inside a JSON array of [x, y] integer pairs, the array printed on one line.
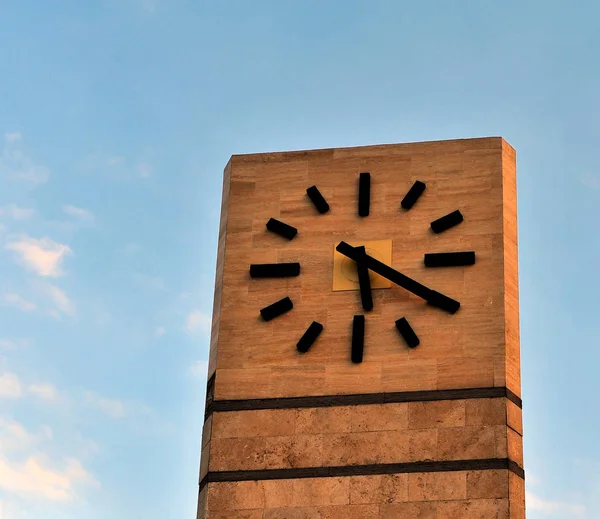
[[116, 120]]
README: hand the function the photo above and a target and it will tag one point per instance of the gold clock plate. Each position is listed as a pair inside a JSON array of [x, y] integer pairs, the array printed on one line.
[[345, 276]]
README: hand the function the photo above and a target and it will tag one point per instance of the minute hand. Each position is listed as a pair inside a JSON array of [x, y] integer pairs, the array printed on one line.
[[431, 296]]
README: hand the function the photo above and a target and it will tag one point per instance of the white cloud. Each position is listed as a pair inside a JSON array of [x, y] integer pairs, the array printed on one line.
[[150, 282], [131, 248], [78, 212], [160, 331], [134, 414], [62, 304], [19, 302], [111, 407], [10, 386], [590, 180], [197, 322], [113, 161], [84, 447], [199, 368], [13, 137], [149, 5], [555, 508], [118, 166], [144, 170], [43, 391], [44, 256], [13, 344], [533, 479], [37, 477], [102, 317], [16, 163], [14, 212], [26, 472], [55, 300], [14, 437]]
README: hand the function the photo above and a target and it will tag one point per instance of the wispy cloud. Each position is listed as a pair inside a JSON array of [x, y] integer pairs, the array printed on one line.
[[132, 248], [44, 256], [118, 166], [199, 368], [149, 6], [13, 137], [83, 215], [10, 386], [160, 331], [28, 472], [551, 508], [150, 282], [49, 299], [13, 344], [38, 477], [114, 161], [135, 414], [19, 302], [111, 407], [102, 317], [590, 180], [14, 437], [15, 212], [197, 322], [62, 304], [143, 170], [15, 163], [43, 391]]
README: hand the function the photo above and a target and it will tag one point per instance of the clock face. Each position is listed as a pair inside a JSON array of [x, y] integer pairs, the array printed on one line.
[[363, 262], [304, 310]]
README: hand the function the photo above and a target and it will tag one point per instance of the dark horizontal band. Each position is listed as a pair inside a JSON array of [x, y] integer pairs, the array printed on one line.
[[363, 470], [357, 399]]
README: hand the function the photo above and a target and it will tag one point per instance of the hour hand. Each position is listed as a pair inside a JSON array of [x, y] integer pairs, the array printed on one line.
[[431, 296], [364, 282]]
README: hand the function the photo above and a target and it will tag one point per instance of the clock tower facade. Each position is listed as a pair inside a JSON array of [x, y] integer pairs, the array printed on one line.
[[397, 394]]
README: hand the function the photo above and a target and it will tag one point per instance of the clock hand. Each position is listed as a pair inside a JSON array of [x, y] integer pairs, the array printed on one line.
[[384, 270], [364, 282], [431, 296]]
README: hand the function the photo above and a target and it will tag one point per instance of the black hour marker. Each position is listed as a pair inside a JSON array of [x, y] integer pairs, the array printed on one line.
[[446, 222], [274, 270], [413, 194], [309, 337], [317, 199], [449, 259], [407, 332], [358, 338], [283, 229], [276, 309], [364, 194], [364, 282]]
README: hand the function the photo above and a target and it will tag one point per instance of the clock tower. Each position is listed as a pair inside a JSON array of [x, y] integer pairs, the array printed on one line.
[[364, 357]]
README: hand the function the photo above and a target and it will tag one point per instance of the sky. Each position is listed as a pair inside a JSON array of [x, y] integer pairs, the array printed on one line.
[[117, 118]]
